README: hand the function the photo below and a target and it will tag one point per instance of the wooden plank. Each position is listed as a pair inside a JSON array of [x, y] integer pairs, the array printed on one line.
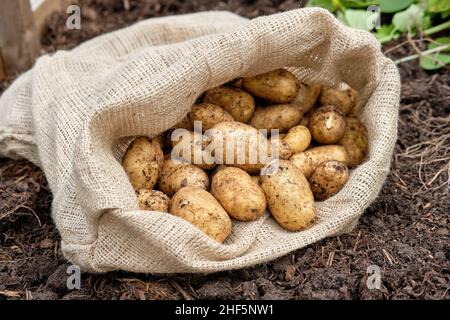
[[19, 42]]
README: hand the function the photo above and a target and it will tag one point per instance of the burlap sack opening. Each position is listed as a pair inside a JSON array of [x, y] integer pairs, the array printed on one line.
[[74, 112]]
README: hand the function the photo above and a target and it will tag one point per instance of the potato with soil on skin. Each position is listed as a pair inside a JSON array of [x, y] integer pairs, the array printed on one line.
[[189, 147], [201, 209], [209, 115], [153, 200], [241, 198], [277, 86], [142, 162], [297, 139], [238, 103], [307, 96], [307, 161], [328, 179], [289, 197], [355, 141], [278, 116], [184, 175], [185, 123], [239, 145], [327, 125], [278, 145], [345, 100]]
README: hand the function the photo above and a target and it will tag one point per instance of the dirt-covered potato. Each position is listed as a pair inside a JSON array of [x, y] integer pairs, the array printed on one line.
[[153, 200], [200, 208], [185, 123], [279, 148], [189, 147], [345, 100], [182, 176], [327, 124], [235, 101], [239, 145], [297, 139], [209, 115], [277, 86], [355, 141], [241, 198], [142, 162], [289, 197], [307, 161], [307, 96], [328, 179], [279, 116]]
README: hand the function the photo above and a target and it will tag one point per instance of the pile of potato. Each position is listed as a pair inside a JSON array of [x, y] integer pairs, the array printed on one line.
[[320, 137]]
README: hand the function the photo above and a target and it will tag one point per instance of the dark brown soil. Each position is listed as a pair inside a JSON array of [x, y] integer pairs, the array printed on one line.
[[405, 232]]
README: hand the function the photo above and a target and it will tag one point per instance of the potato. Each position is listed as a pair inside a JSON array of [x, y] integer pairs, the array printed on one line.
[[289, 197], [182, 176], [308, 160], [328, 179], [241, 198], [279, 116], [355, 141], [277, 86], [189, 147], [209, 115], [281, 148], [345, 100], [255, 179], [185, 123], [307, 96], [153, 200], [235, 101], [297, 139], [200, 208], [239, 145], [327, 125], [142, 162]]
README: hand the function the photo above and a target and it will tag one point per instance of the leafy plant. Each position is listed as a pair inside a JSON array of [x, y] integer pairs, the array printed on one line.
[[405, 17]]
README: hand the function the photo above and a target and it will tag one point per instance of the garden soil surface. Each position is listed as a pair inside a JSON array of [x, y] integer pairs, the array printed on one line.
[[404, 233]]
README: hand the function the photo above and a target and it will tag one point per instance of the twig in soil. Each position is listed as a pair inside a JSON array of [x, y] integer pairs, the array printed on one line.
[[330, 259], [423, 53], [21, 207], [185, 295]]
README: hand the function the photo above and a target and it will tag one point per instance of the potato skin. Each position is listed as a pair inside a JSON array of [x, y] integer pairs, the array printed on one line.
[[277, 86], [241, 198], [194, 143], [182, 176], [143, 161], [345, 100], [185, 123], [327, 124], [307, 161], [289, 197], [279, 116], [226, 133], [328, 179], [355, 141], [209, 115], [307, 96], [153, 200], [200, 208], [238, 103], [277, 144], [298, 139]]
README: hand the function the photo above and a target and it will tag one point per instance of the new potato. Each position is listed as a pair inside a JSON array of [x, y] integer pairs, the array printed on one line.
[[277, 86], [209, 115], [345, 100], [153, 200], [279, 148], [307, 161], [327, 124], [279, 116], [190, 147], [328, 179], [289, 197], [238, 194], [235, 101], [307, 96], [200, 208], [355, 141], [142, 162], [297, 139], [182, 176]]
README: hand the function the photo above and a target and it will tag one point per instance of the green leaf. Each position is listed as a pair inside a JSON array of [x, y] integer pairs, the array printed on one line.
[[438, 5], [359, 4], [391, 6], [436, 61], [385, 31], [341, 17], [411, 17], [360, 19], [326, 4]]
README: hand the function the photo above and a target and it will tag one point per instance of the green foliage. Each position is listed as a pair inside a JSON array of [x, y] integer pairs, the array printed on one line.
[[436, 60], [406, 16]]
